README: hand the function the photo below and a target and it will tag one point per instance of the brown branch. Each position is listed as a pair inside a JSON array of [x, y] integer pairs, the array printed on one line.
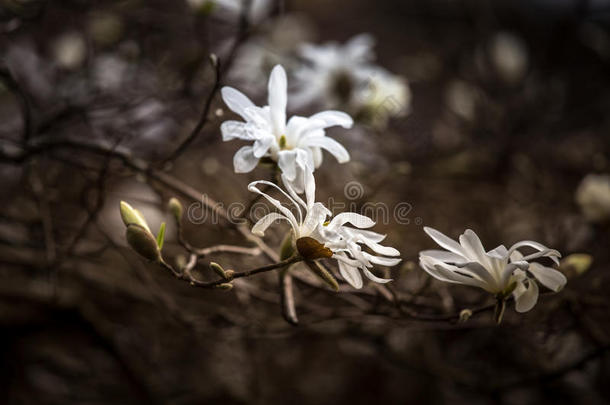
[[24, 102], [203, 118], [187, 275]]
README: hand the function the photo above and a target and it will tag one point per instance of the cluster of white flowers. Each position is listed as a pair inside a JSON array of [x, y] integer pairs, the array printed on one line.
[[344, 75], [330, 75], [295, 146]]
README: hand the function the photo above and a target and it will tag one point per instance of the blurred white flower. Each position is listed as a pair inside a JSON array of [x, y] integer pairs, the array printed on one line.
[[385, 96], [500, 271], [70, 50], [593, 197], [509, 56], [258, 8], [344, 76], [296, 146], [339, 241]]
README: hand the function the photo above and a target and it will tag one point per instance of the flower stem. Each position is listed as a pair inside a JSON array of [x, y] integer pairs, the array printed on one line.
[[499, 310]]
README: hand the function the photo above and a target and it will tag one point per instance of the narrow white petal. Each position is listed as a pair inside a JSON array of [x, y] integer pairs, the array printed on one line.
[[474, 248], [444, 256], [350, 274], [332, 118], [374, 278], [236, 101], [262, 224], [244, 160], [382, 250], [444, 272], [261, 146], [332, 146], [382, 261], [277, 89], [234, 130], [444, 241], [526, 298], [548, 277], [277, 204], [499, 253], [359, 221], [287, 164]]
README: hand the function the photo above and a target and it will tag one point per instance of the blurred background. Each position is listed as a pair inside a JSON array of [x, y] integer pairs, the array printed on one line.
[[469, 114]]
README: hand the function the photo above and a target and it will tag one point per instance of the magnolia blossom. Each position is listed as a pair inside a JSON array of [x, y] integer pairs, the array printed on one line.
[[500, 271], [343, 242], [295, 145], [344, 75], [593, 196]]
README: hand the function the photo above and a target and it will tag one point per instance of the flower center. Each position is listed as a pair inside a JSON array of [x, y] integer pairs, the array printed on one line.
[[282, 142]]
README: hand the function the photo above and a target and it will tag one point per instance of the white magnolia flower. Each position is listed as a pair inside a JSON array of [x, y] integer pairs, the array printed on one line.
[[339, 241], [295, 145], [344, 75], [593, 196], [233, 8], [500, 271]]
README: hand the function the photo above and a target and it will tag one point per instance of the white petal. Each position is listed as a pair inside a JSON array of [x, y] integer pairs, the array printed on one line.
[[473, 247], [234, 130], [499, 253], [332, 146], [261, 146], [359, 48], [548, 277], [359, 221], [317, 156], [350, 274], [525, 299], [382, 261], [370, 235], [382, 250], [332, 118], [374, 278], [277, 89], [310, 188], [244, 160], [444, 256], [443, 272], [476, 270], [315, 217], [535, 245], [277, 204], [236, 101], [287, 164], [262, 224], [444, 241]]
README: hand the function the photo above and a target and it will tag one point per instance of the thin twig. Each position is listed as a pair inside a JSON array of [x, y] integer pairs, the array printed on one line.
[[188, 276]]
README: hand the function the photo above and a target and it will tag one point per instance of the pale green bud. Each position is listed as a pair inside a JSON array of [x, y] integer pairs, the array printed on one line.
[[175, 207], [131, 215], [143, 242]]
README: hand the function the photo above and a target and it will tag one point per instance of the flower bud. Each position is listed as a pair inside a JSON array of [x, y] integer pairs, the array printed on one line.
[[465, 315], [175, 207], [311, 249], [213, 60], [131, 215], [143, 242], [321, 272], [225, 286], [217, 268], [576, 264]]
